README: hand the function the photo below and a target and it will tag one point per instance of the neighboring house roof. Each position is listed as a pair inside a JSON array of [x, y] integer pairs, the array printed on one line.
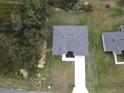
[[113, 42], [70, 38]]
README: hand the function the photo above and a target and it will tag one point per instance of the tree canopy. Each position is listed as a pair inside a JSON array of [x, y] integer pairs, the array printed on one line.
[[64, 4], [22, 31]]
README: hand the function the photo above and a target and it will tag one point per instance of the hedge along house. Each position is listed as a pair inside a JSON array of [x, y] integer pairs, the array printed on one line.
[[114, 42], [71, 42]]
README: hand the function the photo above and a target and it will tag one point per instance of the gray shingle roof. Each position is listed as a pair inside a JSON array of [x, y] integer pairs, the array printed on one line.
[[113, 42], [70, 38]]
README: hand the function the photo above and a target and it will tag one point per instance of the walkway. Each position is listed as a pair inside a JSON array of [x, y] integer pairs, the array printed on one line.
[[80, 81]]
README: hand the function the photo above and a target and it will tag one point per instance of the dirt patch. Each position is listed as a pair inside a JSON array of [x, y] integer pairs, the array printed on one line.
[[63, 77], [42, 60]]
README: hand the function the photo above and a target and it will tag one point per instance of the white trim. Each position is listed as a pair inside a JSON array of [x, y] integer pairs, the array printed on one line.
[[64, 58], [116, 60], [103, 43]]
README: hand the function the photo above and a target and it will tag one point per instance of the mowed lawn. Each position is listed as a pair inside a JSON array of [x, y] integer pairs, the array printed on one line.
[[103, 76]]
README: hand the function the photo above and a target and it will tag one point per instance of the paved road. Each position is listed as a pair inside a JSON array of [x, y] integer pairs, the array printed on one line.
[[3, 90]]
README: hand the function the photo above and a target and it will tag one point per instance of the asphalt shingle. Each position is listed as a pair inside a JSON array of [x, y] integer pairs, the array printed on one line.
[[70, 38], [113, 42]]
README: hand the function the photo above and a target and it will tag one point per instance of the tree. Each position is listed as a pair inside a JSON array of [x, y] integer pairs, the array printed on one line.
[[21, 42], [33, 33]]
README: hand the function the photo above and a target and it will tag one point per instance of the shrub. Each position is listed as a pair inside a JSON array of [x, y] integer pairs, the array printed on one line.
[[64, 4], [120, 2], [87, 7], [107, 6]]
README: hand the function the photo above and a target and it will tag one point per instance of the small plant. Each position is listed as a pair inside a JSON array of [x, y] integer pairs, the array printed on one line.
[[83, 21]]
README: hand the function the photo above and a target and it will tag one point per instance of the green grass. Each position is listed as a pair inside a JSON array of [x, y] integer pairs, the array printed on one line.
[[117, 12], [55, 72], [13, 75], [83, 20], [4, 1]]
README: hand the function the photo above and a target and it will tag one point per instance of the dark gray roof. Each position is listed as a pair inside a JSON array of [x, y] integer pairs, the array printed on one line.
[[113, 42], [70, 38]]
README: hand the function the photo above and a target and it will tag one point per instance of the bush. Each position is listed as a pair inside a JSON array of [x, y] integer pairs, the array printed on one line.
[[87, 7], [120, 2], [107, 6], [64, 4]]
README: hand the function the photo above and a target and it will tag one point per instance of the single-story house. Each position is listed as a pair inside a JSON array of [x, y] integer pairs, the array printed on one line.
[[114, 42], [70, 40]]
